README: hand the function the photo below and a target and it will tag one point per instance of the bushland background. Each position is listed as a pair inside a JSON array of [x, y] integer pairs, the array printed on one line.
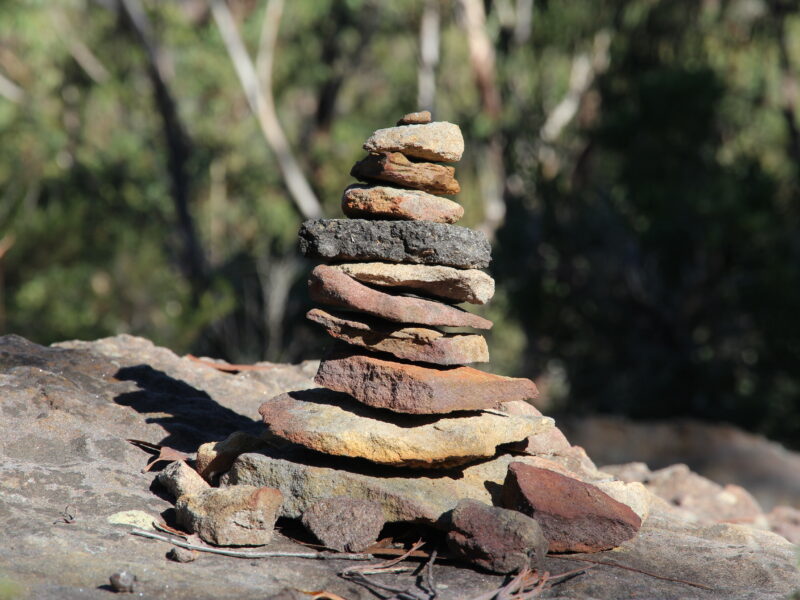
[[635, 162]]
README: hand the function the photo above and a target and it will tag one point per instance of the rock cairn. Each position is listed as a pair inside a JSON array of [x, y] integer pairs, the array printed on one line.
[[401, 428]]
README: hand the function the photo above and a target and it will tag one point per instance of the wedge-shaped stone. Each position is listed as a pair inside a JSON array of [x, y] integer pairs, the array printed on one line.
[[430, 141], [575, 516], [415, 118], [333, 287], [396, 168], [417, 242], [418, 344], [335, 424], [382, 202], [414, 389], [305, 478], [461, 285]]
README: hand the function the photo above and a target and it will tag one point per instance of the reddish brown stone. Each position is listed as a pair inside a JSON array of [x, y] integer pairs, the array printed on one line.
[[495, 539], [332, 286], [394, 167], [416, 118], [382, 202], [574, 516], [345, 524], [418, 344], [407, 388]]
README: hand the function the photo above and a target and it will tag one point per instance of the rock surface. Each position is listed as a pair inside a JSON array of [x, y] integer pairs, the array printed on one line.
[[418, 344], [382, 202], [236, 516], [336, 425], [179, 478], [700, 496], [417, 242], [461, 285], [65, 416], [408, 388], [345, 524], [574, 516], [396, 168], [495, 539], [438, 141], [332, 286]]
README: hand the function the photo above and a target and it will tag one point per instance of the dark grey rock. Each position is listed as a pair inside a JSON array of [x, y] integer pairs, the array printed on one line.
[[345, 524], [417, 242], [496, 539]]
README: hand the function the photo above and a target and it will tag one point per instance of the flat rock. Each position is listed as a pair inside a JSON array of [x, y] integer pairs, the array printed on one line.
[[382, 202], [394, 167], [345, 524], [331, 286], [494, 538], [335, 424], [574, 516], [438, 141], [406, 495], [461, 285], [416, 242], [232, 516], [415, 118], [415, 389], [65, 416], [179, 478], [418, 344]]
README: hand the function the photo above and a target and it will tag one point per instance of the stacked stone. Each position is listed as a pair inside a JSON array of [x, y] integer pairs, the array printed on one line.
[[397, 391], [395, 271]]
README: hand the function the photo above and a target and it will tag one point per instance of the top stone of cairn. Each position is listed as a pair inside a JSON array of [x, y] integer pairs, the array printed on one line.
[[437, 141]]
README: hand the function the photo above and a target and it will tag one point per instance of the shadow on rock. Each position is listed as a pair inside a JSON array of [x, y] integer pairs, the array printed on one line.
[[189, 415]]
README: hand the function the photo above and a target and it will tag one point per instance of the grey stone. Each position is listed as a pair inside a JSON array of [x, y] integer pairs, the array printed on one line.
[[345, 524], [416, 242], [179, 478]]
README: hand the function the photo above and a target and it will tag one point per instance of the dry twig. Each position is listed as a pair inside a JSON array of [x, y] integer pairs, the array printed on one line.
[[251, 555], [227, 367], [662, 577]]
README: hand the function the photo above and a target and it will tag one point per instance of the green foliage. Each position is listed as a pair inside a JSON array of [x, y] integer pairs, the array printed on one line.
[[648, 262]]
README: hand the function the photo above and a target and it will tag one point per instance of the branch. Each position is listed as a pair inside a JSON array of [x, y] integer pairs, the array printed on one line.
[[250, 555], [428, 56], [481, 54], [178, 146], [77, 49], [262, 102], [10, 90]]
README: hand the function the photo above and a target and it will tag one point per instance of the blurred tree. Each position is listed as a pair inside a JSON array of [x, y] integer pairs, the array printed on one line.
[[637, 161]]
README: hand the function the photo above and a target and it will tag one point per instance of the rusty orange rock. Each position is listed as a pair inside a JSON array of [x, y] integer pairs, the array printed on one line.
[[419, 344], [383, 202], [333, 287], [575, 516], [408, 388], [394, 167]]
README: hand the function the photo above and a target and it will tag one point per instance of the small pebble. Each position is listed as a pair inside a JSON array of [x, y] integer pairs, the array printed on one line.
[[416, 118], [125, 582], [182, 555]]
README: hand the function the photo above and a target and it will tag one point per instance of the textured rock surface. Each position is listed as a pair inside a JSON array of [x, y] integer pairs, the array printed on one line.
[[461, 285], [233, 516], [438, 141], [723, 453], [574, 516], [345, 524], [331, 286], [419, 344], [495, 539], [336, 425], [407, 388], [417, 242], [382, 202], [785, 521], [396, 168], [64, 418], [214, 458], [692, 492], [179, 478]]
